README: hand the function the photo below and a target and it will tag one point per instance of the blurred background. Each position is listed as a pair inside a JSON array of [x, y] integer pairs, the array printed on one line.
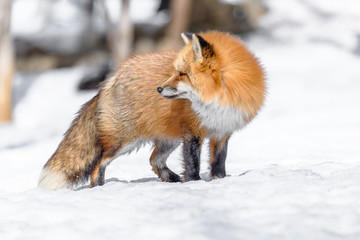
[[40, 35]]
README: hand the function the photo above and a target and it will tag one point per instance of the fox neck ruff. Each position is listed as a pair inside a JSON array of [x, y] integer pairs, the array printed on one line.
[[220, 120]]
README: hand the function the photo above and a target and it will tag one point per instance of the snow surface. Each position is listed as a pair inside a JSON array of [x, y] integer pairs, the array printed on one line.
[[294, 172]]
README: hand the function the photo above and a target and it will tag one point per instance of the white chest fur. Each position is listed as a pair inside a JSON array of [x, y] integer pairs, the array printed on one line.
[[220, 120]]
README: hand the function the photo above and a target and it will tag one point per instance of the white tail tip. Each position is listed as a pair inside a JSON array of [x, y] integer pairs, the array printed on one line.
[[53, 180]]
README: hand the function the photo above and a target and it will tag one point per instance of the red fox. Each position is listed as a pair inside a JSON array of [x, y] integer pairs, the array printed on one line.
[[211, 88]]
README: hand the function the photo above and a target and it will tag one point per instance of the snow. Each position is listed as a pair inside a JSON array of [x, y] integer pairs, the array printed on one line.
[[293, 173]]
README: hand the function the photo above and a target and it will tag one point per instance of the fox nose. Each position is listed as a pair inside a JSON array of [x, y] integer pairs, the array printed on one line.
[[159, 89]]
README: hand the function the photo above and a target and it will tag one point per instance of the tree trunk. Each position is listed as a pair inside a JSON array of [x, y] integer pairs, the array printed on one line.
[[7, 66], [126, 31], [120, 37], [180, 19]]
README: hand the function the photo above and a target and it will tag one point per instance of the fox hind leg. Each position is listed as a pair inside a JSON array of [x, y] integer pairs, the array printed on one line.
[[158, 160], [97, 175]]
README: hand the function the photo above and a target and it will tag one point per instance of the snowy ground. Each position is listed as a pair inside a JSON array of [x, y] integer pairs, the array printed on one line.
[[294, 172]]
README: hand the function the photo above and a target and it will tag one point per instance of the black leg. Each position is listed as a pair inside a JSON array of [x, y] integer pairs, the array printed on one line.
[[192, 149], [218, 156], [101, 176]]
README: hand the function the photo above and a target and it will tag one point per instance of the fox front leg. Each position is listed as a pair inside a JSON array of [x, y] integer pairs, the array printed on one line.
[[191, 151], [218, 152]]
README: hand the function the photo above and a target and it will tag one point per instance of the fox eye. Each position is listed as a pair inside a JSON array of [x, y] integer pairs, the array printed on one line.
[[182, 74]]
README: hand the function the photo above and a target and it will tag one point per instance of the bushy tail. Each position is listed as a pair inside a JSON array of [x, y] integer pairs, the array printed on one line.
[[77, 154]]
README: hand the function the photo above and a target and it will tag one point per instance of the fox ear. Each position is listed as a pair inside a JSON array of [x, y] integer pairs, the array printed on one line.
[[187, 37], [201, 47]]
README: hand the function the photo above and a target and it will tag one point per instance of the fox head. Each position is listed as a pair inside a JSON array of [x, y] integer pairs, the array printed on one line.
[[195, 69], [216, 67]]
